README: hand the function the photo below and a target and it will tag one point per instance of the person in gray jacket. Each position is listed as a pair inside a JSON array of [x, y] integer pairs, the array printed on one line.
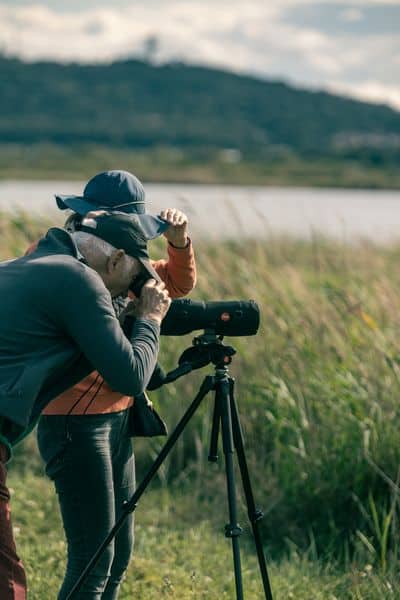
[[58, 324]]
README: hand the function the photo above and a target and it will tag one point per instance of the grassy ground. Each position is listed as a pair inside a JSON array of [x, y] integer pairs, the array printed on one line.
[[46, 161], [178, 555], [318, 394]]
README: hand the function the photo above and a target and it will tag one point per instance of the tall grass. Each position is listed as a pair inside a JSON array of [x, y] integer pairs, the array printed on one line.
[[318, 392], [317, 389]]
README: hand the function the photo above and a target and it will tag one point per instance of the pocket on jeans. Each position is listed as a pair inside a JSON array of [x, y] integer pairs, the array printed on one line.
[[52, 444]]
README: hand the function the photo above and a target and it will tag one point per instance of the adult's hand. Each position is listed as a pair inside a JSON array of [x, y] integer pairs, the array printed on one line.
[[177, 232], [153, 303]]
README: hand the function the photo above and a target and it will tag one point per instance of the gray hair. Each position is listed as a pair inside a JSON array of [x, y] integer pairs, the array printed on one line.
[[92, 247], [95, 250]]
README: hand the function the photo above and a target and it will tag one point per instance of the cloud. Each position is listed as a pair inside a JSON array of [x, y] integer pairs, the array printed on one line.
[[370, 90], [351, 14], [253, 36]]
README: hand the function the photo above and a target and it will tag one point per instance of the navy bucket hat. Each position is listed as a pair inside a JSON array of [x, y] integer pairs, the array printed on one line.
[[109, 190], [114, 191]]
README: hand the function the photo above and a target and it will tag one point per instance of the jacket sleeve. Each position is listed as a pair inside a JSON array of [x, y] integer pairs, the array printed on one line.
[[87, 317], [179, 271]]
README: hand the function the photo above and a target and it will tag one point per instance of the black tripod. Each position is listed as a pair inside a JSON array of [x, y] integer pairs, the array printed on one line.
[[207, 348]]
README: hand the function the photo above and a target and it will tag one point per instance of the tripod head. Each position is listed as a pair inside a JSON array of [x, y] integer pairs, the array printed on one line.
[[206, 348]]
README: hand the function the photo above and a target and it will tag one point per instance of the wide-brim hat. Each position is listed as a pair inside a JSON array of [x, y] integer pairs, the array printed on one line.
[[109, 190]]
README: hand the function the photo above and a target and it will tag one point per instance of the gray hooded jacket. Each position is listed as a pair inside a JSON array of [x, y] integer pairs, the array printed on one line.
[[57, 325]]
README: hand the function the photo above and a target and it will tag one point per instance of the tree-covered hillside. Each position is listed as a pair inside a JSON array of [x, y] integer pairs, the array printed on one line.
[[136, 104]]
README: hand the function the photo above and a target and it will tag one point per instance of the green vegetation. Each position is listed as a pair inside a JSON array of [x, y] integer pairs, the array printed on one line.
[[177, 122], [179, 555], [318, 394], [163, 164]]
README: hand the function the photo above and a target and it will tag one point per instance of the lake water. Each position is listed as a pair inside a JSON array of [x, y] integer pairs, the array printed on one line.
[[231, 211]]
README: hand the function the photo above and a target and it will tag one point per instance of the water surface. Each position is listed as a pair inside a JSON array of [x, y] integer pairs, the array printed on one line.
[[231, 211]]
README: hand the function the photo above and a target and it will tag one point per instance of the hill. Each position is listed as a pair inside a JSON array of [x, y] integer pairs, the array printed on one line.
[[137, 104], [205, 121]]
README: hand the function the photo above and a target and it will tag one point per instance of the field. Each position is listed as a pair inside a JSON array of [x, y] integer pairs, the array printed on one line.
[[318, 395]]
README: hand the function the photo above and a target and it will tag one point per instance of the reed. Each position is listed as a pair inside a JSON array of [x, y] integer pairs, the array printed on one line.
[[317, 389]]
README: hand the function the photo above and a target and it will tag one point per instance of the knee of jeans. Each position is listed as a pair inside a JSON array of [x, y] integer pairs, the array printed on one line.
[[106, 561], [121, 559]]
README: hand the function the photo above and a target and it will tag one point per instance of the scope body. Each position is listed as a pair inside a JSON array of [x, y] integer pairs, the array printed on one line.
[[231, 317]]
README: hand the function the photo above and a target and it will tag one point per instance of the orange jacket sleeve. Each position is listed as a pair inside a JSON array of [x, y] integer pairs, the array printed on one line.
[[179, 271], [31, 248]]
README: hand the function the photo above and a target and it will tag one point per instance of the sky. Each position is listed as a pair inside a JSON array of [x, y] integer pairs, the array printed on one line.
[[347, 47]]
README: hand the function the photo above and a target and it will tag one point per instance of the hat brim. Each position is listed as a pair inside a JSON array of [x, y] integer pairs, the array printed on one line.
[[78, 204], [82, 206], [152, 227], [150, 270]]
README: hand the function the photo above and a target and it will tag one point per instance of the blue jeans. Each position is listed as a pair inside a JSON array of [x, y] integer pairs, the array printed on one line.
[[90, 460]]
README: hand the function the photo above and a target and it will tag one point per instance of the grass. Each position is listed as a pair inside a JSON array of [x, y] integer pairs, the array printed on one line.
[[318, 396], [177, 556]]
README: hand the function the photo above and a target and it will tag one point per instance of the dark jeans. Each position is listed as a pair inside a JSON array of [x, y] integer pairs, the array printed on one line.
[[90, 460]]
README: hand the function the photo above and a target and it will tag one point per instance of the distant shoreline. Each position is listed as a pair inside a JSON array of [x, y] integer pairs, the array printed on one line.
[[161, 165]]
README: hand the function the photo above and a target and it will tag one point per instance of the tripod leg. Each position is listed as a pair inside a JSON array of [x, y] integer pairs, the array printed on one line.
[[206, 386], [255, 515], [232, 530], [213, 452]]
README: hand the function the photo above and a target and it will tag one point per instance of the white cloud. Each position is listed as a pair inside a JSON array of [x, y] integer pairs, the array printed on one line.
[[247, 36], [351, 15], [370, 90]]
